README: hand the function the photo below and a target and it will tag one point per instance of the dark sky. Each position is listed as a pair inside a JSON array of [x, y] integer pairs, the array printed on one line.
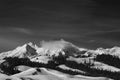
[[86, 23]]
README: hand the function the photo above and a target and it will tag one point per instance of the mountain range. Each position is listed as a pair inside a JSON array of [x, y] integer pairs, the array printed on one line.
[[59, 60]]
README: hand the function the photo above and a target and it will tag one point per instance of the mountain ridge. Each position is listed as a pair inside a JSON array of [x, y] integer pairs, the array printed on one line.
[[63, 56]]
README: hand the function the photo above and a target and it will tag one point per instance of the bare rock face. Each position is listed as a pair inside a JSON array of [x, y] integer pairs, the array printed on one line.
[[30, 51]]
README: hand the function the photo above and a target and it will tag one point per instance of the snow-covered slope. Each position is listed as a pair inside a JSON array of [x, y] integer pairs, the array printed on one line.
[[45, 74], [27, 50], [115, 51]]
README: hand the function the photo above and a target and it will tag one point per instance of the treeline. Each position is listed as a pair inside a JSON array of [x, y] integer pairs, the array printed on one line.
[[68, 71], [8, 67], [109, 59], [93, 71], [10, 63], [86, 67]]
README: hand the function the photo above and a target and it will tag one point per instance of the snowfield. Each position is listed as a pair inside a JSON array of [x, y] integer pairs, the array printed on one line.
[[44, 74]]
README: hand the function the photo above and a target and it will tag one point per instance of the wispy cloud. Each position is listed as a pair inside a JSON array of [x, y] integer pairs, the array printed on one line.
[[22, 30]]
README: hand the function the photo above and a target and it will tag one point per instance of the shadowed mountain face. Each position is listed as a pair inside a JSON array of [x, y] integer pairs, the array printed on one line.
[[74, 20]]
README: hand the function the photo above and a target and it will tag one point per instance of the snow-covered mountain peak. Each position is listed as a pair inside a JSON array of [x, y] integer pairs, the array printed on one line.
[[26, 50], [54, 48], [47, 48], [115, 51]]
